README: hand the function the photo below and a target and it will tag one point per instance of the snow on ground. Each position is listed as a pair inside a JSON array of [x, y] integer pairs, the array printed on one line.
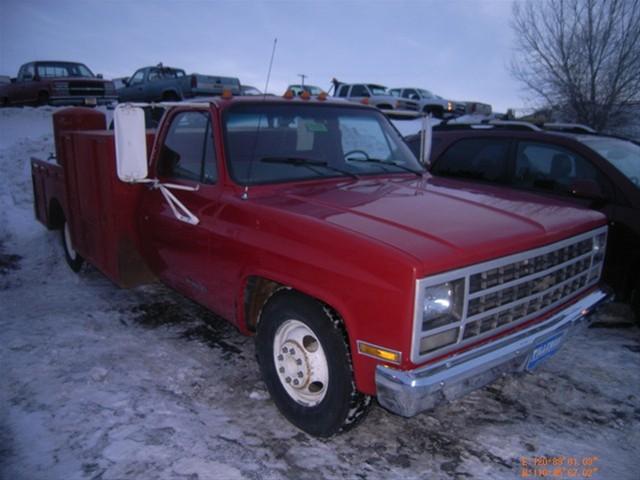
[[103, 383]]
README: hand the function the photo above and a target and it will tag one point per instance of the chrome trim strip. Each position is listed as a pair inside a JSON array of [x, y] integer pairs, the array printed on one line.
[[408, 392], [466, 273], [531, 277], [524, 300]]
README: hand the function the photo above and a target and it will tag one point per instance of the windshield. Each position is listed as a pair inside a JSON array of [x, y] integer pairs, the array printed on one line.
[[160, 73], [60, 69], [425, 93], [378, 90], [622, 154], [312, 90], [299, 142]]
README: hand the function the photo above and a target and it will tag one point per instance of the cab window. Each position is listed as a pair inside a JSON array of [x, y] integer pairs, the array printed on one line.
[[342, 92], [359, 91], [188, 152], [410, 93], [28, 71], [138, 77]]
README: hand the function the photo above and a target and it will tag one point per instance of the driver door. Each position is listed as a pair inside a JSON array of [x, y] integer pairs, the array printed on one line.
[[179, 253]]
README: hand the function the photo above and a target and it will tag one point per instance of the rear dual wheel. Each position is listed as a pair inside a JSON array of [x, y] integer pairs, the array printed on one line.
[[73, 258], [305, 363]]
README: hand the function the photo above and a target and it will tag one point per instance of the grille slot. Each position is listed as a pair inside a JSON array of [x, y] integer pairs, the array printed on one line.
[[92, 89], [503, 293]]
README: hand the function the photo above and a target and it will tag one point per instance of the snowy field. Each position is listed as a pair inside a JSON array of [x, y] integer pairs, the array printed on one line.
[[102, 383]]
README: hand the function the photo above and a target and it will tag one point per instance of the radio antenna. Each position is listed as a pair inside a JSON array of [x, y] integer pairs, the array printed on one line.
[[273, 53], [245, 192]]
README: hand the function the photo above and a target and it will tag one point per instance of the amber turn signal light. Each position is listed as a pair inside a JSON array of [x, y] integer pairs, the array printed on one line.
[[380, 353], [227, 94], [288, 94]]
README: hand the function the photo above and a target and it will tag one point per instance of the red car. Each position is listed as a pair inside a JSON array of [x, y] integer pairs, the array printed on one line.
[[309, 224], [56, 83]]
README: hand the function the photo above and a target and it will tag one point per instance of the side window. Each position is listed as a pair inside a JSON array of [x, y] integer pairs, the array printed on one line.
[[342, 92], [28, 71], [154, 74], [138, 77], [359, 91], [552, 168], [476, 158], [410, 93], [188, 149], [395, 92]]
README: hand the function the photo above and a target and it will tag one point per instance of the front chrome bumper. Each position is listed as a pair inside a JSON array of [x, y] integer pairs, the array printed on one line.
[[408, 392]]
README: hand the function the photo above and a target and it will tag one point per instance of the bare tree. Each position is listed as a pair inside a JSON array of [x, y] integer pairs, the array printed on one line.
[[582, 56]]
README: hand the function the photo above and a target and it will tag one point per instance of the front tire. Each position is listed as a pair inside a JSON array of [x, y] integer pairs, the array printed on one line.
[[73, 258], [170, 97], [305, 363], [43, 99]]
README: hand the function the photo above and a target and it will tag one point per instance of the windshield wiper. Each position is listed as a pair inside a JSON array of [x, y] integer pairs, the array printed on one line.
[[307, 162], [379, 161]]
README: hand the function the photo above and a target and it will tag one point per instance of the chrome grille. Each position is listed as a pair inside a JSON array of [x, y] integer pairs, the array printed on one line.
[[86, 88], [503, 293]]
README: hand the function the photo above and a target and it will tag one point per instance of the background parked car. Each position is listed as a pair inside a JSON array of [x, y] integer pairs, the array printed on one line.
[[249, 90], [376, 95], [56, 83], [311, 89], [478, 108], [566, 162], [160, 83], [427, 102]]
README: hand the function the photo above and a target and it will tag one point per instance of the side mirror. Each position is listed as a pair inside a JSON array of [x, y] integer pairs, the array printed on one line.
[[588, 189], [125, 81], [131, 143], [99, 75]]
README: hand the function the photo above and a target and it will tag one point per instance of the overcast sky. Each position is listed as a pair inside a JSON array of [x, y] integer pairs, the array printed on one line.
[[459, 49]]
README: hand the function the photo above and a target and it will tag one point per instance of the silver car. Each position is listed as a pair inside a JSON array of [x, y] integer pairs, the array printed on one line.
[[428, 102], [376, 95]]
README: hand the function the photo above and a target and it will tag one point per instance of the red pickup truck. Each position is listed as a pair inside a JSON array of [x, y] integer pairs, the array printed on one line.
[[309, 224], [56, 83]]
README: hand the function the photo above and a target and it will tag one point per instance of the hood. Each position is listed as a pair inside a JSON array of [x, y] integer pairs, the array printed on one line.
[[442, 224]]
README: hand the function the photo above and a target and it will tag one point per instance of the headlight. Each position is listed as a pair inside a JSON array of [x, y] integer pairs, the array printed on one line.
[[442, 304], [449, 106], [599, 247]]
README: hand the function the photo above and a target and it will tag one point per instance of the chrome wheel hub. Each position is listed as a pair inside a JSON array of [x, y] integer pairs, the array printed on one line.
[[300, 362]]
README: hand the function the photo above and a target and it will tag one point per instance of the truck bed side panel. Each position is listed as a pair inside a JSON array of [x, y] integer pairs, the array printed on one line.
[[48, 191], [103, 209]]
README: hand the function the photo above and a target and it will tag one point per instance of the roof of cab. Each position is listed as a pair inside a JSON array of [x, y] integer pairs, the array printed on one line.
[[222, 102]]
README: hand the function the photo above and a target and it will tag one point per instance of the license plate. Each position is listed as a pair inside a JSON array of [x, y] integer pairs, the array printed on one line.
[[545, 350], [90, 101]]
